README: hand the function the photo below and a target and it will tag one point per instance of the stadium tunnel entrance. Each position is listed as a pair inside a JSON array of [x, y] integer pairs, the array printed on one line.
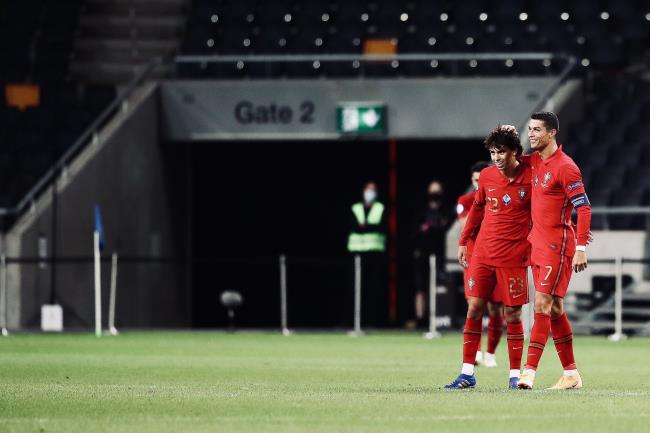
[[251, 201]]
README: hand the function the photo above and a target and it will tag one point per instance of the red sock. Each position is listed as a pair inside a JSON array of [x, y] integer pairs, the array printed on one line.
[[471, 340], [538, 337], [495, 329], [515, 344], [563, 338]]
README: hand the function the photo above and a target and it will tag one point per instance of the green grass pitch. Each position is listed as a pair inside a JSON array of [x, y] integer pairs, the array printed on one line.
[[262, 382]]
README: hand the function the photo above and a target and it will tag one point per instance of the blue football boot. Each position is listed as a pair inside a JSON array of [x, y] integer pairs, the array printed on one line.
[[463, 381]]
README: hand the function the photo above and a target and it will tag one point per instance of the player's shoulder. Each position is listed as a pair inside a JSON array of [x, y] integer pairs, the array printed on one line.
[[526, 170], [489, 173], [565, 162]]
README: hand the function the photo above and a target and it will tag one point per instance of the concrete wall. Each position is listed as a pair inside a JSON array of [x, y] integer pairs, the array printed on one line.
[[125, 173], [436, 108]]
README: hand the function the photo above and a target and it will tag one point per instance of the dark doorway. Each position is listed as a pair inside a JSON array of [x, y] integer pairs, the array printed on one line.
[[253, 201]]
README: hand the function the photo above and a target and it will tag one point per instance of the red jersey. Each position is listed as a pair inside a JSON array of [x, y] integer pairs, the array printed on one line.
[[502, 240], [463, 205], [557, 189]]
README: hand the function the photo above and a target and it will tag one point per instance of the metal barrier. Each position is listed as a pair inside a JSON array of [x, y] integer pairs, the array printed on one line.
[[284, 293]]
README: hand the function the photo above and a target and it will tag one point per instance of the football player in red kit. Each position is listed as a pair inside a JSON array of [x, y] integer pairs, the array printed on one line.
[[501, 251], [494, 305], [557, 249]]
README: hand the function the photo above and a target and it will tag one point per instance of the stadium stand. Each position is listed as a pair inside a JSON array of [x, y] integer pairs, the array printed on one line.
[[37, 39], [611, 146], [592, 31]]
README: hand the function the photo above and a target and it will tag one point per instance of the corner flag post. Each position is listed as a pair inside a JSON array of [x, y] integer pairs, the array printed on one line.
[[111, 303], [98, 244], [3, 294]]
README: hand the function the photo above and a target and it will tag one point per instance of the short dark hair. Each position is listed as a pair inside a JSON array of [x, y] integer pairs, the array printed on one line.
[[504, 136], [479, 167], [549, 118]]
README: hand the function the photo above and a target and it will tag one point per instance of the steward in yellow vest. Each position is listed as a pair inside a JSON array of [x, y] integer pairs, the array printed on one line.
[[368, 233]]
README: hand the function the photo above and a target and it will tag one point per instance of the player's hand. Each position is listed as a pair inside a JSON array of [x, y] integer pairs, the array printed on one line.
[[462, 255], [579, 261]]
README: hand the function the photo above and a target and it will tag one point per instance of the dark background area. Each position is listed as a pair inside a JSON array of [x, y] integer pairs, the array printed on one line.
[[253, 201]]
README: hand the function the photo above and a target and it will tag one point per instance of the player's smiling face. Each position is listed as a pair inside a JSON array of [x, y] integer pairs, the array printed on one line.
[[503, 157], [539, 136]]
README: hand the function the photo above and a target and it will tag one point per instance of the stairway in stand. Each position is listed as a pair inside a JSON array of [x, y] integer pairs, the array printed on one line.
[[117, 38]]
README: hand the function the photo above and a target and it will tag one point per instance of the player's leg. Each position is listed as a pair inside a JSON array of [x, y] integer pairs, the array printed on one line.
[[478, 290], [545, 276], [563, 336], [478, 359], [512, 284], [515, 338], [495, 330], [471, 339]]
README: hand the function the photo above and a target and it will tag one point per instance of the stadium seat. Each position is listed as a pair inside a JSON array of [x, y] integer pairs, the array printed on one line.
[[627, 197], [608, 177]]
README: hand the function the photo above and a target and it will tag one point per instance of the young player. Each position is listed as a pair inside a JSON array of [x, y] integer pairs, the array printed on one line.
[[556, 249], [494, 305], [501, 252]]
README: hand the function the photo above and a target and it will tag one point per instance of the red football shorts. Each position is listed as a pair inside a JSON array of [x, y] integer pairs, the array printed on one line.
[[495, 297], [551, 272], [507, 285]]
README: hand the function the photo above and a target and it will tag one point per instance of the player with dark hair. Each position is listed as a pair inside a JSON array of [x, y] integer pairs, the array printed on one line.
[[494, 305], [501, 252], [556, 249]]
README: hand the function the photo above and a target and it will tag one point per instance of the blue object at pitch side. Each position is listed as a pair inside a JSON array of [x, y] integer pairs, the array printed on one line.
[[463, 381], [99, 227], [512, 384]]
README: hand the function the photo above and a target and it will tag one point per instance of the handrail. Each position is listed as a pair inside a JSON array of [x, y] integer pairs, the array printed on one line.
[[621, 210], [278, 58], [568, 68], [83, 139]]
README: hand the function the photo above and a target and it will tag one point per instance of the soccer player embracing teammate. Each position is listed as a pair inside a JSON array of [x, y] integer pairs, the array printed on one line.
[[494, 305], [556, 249], [501, 252]]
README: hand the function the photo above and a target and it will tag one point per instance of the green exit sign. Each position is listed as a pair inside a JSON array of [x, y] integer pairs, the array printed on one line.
[[361, 118]]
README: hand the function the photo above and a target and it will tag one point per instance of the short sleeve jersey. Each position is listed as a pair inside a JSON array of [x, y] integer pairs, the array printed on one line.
[[557, 189], [502, 240]]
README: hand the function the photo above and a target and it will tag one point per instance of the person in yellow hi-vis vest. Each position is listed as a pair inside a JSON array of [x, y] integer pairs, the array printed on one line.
[[367, 237], [368, 233]]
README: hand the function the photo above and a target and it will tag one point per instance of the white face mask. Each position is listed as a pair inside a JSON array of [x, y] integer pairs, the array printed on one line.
[[369, 195]]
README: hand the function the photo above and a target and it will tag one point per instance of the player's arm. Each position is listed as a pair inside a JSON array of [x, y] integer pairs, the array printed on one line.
[[473, 222], [461, 213], [575, 190]]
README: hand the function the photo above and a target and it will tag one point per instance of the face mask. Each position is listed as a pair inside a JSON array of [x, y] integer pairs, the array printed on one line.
[[369, 195]]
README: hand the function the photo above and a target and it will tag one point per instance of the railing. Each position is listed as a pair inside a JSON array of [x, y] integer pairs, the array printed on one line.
[[89, 135], [606, 212], [287, 288]]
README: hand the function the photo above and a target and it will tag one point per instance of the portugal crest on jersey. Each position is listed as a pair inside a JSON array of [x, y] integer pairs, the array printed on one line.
[[522, 193], [546, 179], [506, 200]]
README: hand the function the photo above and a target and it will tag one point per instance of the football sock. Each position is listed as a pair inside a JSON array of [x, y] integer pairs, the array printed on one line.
[[563, 339], [471, 340], [515, 344], [538, 336], [495, 329]]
